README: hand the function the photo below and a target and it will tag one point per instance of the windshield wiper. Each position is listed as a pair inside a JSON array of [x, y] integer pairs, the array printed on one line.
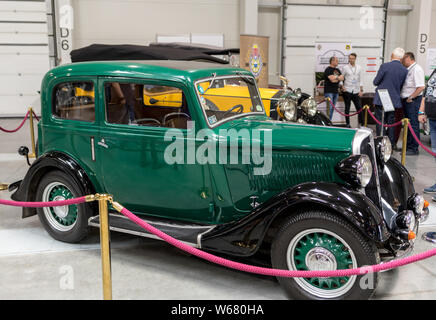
[[211, 83]]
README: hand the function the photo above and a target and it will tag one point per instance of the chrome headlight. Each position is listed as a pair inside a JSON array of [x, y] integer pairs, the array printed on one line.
[[287, 109], [310, 107], [356, 170], [383, 148], [417, 202]]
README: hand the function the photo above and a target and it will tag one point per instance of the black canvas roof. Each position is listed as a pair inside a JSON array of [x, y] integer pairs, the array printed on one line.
[[103, 52]]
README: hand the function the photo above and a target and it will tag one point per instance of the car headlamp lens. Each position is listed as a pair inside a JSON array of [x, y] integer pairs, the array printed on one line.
[[364, 170], [356, 170], [384, 148], [310, 107], [287, 109], [418, 204]]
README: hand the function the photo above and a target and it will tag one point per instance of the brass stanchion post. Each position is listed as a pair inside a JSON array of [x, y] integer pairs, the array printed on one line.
[[405, 133], [328, 107], [105, 245], [366, 116], [32, 134]]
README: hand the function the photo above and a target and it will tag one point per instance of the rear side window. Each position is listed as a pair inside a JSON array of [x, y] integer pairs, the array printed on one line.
[[74, 101]]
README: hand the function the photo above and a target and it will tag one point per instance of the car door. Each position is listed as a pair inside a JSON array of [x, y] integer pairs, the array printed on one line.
[[72, 120], [131, 154]]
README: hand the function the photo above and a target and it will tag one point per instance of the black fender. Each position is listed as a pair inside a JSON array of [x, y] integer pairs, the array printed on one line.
[[54, 160], [244, 237], [397, 185]]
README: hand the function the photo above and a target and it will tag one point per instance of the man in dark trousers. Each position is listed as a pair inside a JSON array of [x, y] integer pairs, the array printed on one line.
[[332, 78], [412, 91], [391, 76]]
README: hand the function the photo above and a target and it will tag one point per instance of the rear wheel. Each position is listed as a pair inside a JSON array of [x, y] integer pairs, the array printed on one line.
[[67, 223], [318, 241]]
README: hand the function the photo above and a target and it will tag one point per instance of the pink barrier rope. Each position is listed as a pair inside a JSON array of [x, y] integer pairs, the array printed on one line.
[[343, 114], [419, 141], [19, 127], [34, 114], [385, 125], [43, 204], [275, 272]]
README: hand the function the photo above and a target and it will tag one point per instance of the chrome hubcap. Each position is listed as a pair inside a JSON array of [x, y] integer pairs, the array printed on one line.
[[320, 259], [61, 212]]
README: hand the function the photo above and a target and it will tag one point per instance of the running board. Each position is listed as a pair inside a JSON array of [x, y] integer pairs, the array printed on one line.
[[188, 233]]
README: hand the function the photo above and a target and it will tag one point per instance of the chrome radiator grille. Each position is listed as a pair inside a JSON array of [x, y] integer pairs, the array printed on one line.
[[372, 190]]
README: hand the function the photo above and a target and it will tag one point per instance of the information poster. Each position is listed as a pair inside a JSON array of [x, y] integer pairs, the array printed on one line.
[[431, 61], [254, 57]]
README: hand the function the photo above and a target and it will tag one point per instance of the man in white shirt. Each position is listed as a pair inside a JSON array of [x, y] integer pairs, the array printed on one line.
[[352, 87], [411, 95]]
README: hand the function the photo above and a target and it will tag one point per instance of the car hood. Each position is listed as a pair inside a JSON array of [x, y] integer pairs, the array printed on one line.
[[293, 136]]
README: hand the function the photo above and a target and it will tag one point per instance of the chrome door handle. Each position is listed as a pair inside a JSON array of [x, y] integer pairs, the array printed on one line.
[[103, 144]]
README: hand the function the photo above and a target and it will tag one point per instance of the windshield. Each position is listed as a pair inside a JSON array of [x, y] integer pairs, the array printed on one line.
[[223, 98]]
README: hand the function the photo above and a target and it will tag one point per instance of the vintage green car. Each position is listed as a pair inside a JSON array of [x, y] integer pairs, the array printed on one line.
[[229, 180]]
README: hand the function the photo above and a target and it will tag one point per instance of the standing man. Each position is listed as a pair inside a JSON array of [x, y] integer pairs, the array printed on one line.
[[391, 76], [412, 98], [428, 112], [353, 87], [332, 77]]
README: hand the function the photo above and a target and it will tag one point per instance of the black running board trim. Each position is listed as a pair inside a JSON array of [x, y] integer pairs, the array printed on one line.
[[186, 233]]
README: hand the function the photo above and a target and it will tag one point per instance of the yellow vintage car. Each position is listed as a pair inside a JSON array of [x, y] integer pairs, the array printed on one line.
[[214, 98]]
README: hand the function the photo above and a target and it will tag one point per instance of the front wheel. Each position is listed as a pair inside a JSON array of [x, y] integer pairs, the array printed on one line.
[[321, 241], [67, 223]]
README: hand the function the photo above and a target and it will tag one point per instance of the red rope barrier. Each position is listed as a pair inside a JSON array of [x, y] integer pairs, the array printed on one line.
[[34, 114], [19, 127], [68, 202], [419, 141], [385, 125], [343, 114], [275, 272]]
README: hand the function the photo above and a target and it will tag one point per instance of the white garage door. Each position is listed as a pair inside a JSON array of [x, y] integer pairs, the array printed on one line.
[[24, 55], [308, 24]]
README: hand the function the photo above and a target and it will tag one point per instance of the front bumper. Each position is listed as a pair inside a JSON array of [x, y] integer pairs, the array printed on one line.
[[399, 199]]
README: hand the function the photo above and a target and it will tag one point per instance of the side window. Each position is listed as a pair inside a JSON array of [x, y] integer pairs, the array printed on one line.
[[146, 105], [74, 101]]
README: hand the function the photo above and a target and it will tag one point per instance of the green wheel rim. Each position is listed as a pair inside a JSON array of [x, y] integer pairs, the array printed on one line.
[[60, 192], [333, 245], [316, 250], [60, 218]]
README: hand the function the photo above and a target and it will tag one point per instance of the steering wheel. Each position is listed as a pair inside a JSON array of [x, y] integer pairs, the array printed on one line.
[[240, 108], [145, 120], [169, 116]]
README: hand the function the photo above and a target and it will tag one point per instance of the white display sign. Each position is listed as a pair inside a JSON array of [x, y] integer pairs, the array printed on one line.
[[325, 50], [386, 100], [431, 61]]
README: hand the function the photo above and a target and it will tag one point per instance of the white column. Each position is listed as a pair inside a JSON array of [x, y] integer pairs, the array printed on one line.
[[249, 17], [419, 26]]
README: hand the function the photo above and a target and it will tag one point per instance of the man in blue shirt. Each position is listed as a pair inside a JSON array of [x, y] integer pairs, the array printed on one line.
[[391, 76]]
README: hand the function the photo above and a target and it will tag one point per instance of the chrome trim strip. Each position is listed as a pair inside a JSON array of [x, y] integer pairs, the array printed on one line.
[[92, 148], [361, 134], [201, 235]]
